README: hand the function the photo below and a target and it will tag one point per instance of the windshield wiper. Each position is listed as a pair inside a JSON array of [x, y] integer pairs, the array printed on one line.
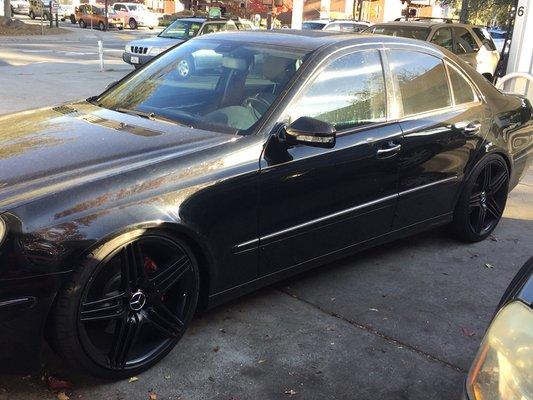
[[149, 115]]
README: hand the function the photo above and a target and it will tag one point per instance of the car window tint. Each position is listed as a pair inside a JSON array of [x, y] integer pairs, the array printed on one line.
[[462, 91], [485, 38], [333, 27], [443, 38], [422, 81], [465, 41], [349, 92], [411, 32]]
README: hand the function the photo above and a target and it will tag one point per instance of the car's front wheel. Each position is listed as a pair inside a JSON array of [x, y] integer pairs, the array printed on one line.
[[128, 304], [132, 23], [481, 204], [101, 26], [82, 23]]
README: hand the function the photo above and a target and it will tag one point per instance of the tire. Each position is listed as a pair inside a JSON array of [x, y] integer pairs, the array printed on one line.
[[101, 26], [105, 339], [82, 23], [482, 202], [72, 19], [132, 24], [31, 15]]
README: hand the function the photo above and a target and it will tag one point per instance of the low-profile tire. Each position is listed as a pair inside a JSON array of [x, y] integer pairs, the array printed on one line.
[[132, 24], [82, 23], [482, 202], [127, 305]]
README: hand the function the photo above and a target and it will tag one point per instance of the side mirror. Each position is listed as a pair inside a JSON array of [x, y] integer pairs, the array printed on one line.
[[311, 132]]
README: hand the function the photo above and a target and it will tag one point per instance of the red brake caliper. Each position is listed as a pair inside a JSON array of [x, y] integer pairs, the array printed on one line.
[[151, 266]]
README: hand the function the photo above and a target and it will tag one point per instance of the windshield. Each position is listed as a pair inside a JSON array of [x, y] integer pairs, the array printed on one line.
[[411, 32], [180, 29], [137, 7], [313, 25], [223, 86]]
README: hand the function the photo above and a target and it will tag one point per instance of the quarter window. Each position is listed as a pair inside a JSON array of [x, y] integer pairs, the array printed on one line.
[[349, 92], [422, 81], [443, 37], [462, 91], [465, 41]]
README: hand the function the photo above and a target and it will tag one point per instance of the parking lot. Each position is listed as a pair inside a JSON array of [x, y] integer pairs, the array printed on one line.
[[400, 321]]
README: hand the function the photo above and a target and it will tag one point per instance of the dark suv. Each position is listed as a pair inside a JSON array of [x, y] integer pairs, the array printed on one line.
[[472, 43]]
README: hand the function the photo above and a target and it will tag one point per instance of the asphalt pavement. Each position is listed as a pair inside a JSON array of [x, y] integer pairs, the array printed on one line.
[[400, 321]]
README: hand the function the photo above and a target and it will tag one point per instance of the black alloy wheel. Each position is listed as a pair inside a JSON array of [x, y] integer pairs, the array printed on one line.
[[482, 203], [132, 23], [131, 309]]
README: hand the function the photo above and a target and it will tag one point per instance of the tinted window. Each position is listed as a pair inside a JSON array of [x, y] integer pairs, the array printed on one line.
[[349, 92], [422, 81], [462, 91], [181, 29], [443, 38], [465, 41], [313, 25], [485, 38], [412, 32]]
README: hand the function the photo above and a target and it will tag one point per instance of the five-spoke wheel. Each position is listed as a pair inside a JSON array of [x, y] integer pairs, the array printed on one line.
[[481, 205], [133, 305]]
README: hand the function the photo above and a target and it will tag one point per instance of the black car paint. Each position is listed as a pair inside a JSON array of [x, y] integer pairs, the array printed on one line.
[[75, 176]]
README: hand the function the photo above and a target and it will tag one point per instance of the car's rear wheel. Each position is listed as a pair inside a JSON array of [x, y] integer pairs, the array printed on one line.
[[31, 15], [132, 23], [82, 23], [128, 305], [101, 26], [481, 204], [72, 19]]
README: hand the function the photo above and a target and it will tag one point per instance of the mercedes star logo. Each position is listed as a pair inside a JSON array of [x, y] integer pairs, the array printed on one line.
[[137, 301]]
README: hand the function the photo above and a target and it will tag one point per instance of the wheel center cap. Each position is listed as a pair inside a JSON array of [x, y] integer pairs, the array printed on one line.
[[483, 198], [137, 301]]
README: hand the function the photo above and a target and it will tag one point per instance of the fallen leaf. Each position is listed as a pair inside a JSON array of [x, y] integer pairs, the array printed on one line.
[[133, 379], [490, 266], [167, 377], [493, 238], [261, 361], [153, 396], [216, 348], [222, 330], [62, 396], [58, 384], [290, 392], [373, 309], [467, 332]]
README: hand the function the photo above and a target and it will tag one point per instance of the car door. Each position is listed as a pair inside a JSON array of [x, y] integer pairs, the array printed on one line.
[[465, 45], [442, 129], [316, 202]]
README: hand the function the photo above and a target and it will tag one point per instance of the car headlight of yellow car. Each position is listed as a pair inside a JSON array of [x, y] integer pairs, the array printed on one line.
[[503, 368]]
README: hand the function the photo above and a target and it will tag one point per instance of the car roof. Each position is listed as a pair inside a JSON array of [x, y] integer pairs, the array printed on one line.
[[422, 24], [310, 39]]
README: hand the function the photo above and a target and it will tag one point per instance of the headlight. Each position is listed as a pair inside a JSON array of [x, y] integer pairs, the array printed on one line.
[[503, 368], [154, 51], [3, 230]]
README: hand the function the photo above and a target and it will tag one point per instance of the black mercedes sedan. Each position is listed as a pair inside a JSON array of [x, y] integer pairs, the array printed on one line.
[[123, 214]]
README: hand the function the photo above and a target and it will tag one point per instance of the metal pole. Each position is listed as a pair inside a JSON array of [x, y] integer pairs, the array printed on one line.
[[42, 27], [101, 54], [50, 14], [106, 16]]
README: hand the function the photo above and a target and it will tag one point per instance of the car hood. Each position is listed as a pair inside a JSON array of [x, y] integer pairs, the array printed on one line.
[[155, 41], [47, 150]]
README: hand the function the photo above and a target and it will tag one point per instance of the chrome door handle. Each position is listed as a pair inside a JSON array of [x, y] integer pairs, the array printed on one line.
[[472, 128], [389, 151]]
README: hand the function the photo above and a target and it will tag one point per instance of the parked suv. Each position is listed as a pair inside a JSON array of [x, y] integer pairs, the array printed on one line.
[[335, 25], [472, 43], [38, 9], [20, 7], [136, 15], [88, 15], [141, 51]]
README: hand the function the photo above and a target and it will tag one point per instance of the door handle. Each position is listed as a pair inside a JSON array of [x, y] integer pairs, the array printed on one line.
[[389, 151], [471, 128]]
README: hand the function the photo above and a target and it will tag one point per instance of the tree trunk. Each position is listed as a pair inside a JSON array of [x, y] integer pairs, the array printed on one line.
[[7, 8], [464, 12]]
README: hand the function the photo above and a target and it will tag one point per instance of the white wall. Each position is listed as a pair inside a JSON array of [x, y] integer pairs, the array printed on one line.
[[392, 9], [521, 52]]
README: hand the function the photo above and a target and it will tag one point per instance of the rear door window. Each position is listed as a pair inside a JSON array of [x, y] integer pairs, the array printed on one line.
[[443, 37], [465, 42], [422, 81], [462, 90]]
